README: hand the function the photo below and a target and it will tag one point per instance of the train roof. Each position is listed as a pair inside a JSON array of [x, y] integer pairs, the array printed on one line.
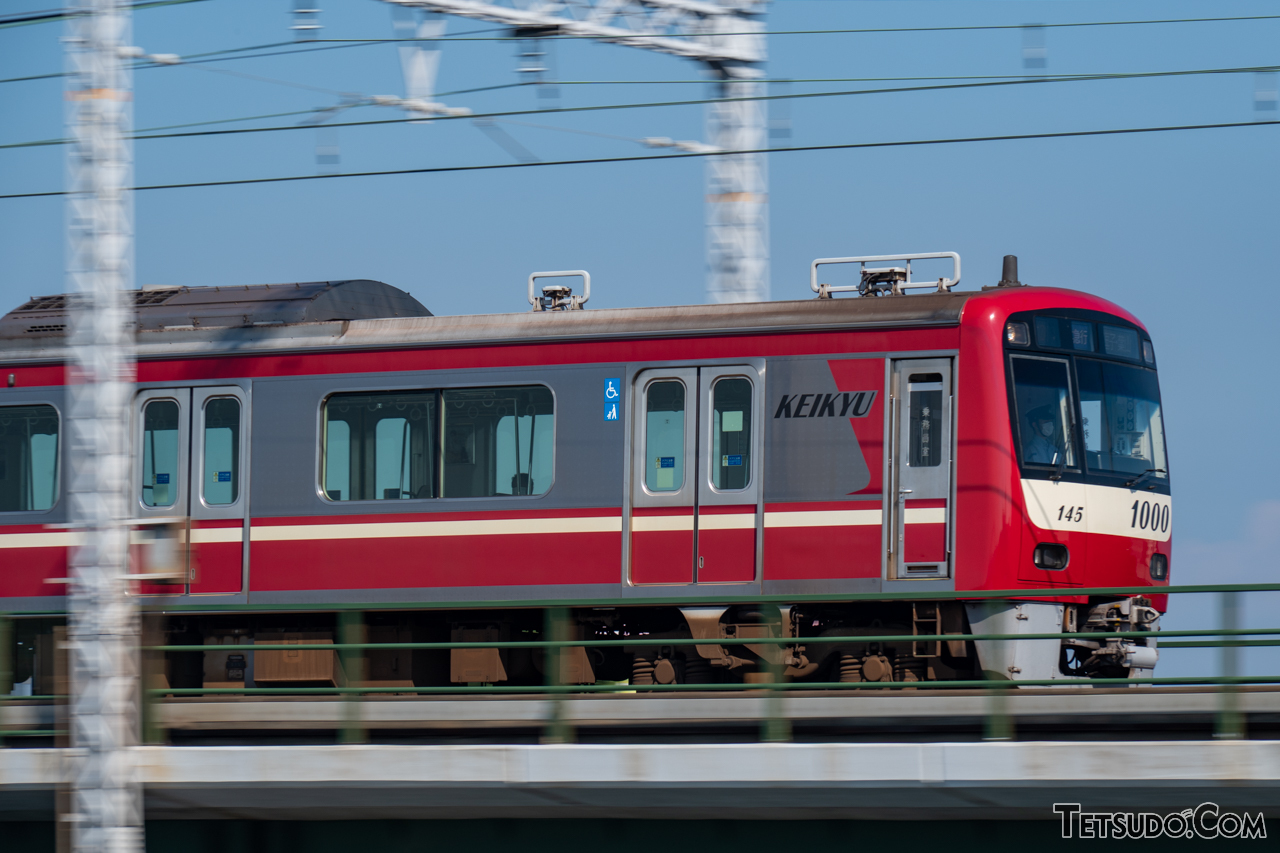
[[363, 314]]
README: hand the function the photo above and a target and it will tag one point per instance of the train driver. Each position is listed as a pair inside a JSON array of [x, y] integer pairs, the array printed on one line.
[[1042, 445]]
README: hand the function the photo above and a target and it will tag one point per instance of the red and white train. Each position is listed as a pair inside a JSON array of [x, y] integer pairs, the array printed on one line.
[[334, 443]]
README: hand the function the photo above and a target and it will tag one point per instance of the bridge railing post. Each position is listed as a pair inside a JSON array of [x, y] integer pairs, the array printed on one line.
[[6, 666], [998, 724], [351, 629], [556, 629], [1230, 723]]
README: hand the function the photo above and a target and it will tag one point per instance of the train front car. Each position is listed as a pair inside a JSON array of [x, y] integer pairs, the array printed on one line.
[[655, 472], [1062, 480]]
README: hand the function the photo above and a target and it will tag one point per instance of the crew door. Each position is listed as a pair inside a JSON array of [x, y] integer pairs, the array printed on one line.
[[919, 499], [190, 462], [694, 509]]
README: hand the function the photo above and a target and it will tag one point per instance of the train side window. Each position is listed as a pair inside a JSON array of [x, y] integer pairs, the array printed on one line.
[[1042, 403], [221, 476], [1123, 427], [161, 478], [379, 446], [498, 441], [28, 458], [731, 434], [924, 404], [664, 436]]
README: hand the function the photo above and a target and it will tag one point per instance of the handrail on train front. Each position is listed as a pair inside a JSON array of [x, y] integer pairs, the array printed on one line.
[[942, 284]]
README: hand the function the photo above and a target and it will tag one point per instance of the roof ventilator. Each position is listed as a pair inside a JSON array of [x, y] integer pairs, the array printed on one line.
[[879, 281], [559, 297]]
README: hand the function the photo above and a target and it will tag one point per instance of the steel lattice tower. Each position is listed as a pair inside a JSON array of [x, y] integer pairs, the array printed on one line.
[[726, 36], [103, 651]]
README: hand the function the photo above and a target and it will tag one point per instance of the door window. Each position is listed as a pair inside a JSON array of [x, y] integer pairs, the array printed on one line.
[[160, 475], [220, 481], [924, 404], [664, 436], [1042, 398], [731, 434]]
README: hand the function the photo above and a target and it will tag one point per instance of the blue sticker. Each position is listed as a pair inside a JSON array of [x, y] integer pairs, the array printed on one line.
[[733, 461], [162, 479], [612, 399], [224, 476], [666, 462]]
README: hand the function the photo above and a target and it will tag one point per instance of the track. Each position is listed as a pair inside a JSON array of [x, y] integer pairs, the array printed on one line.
[[833, 716]]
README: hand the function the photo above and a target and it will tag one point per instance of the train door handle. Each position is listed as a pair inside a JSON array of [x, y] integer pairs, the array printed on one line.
[[900, 533]]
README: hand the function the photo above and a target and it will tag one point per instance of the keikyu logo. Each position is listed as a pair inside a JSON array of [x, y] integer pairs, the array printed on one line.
[[855, 404]]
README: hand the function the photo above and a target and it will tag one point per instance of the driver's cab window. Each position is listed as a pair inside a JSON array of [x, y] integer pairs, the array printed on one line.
[[1042, 400]]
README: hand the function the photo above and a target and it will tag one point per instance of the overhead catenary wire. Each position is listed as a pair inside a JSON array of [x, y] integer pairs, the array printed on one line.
[[1020, 81], [477, 36], [845, 146]]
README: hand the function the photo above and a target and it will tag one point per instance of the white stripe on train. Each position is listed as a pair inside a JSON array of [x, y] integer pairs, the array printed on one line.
[[506, 526]]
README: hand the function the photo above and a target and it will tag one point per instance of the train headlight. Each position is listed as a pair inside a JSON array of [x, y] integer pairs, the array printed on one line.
[[1159, 567], [1051, 555], [1017, 334]]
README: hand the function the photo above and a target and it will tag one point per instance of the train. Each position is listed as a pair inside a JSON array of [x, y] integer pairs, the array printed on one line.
[[671, 473]]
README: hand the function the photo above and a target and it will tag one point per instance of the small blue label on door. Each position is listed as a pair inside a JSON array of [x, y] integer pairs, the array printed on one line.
[[732, 461], [666, 462], [224, 476], [612, 399], [162, 479]]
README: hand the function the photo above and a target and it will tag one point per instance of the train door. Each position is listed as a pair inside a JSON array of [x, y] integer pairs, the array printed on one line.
[[190, 457], [695, 478], [920, 469]]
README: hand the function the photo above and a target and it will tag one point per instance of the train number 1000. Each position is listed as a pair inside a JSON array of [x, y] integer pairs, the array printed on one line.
[[1150, 516]]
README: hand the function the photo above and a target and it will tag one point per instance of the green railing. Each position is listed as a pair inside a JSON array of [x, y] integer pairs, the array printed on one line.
[[775, 726]]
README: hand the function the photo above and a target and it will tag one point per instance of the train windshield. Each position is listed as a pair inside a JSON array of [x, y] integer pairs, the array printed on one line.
[[1120, 414], [1042, 397]]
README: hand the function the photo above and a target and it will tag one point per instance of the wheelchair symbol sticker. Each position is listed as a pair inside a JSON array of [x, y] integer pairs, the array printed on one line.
[[612, 399]]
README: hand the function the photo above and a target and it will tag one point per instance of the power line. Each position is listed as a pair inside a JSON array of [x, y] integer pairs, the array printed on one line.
[[26, 18], [224, 55], [645, 157], [1019, 81]]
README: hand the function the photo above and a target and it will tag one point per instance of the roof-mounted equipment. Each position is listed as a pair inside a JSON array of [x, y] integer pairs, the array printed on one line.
[[879, 281], [559, 297], [159, 308], [1009, 274]]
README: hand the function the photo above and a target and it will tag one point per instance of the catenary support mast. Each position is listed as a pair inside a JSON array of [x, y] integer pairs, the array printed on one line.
[[727, 37], [103, 649]]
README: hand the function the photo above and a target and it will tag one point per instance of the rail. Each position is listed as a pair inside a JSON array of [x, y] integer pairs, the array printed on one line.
[[775, 725]]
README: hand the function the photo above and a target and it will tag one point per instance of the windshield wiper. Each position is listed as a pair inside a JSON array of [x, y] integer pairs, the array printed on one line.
[[1062, 454], [1143, 476]]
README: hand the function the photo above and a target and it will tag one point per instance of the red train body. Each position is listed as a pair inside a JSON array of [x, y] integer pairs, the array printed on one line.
[[334, 443]]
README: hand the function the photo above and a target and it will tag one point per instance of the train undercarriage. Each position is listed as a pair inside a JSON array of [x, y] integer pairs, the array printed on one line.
[[651, 645]]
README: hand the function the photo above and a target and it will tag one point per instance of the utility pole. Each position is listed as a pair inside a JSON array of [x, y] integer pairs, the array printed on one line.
[[727, 37], [102, 637]]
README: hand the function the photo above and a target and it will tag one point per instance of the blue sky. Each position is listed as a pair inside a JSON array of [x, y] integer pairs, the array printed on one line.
[[1179, 228]]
